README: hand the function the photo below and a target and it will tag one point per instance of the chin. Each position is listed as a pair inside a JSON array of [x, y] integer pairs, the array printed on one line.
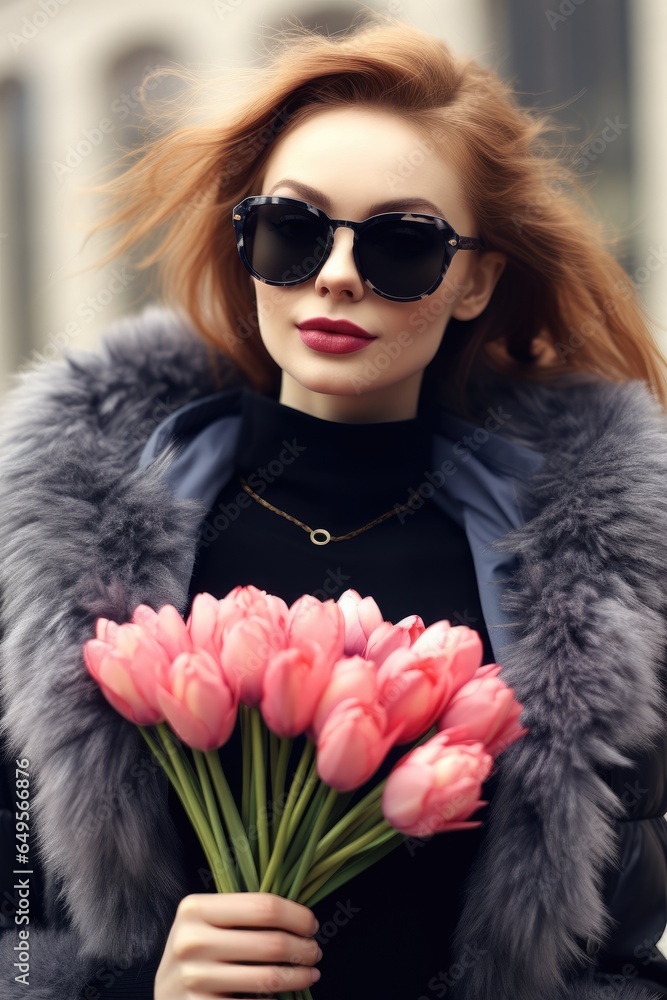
[[342, 386]]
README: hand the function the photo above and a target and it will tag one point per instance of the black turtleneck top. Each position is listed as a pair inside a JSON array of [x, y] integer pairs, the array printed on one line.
[[338, 476], [386, 933]]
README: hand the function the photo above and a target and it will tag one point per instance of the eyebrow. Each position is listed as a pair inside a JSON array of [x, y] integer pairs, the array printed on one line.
[[313, 195]]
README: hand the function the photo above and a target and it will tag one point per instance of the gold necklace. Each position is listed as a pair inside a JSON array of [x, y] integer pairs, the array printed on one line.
[[327, 536]]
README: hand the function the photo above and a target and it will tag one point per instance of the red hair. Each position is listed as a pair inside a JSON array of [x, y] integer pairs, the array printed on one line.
[[561, 284]]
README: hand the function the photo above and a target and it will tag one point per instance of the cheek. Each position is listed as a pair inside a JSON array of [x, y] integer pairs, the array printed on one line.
[[427, 319], [271, 306]]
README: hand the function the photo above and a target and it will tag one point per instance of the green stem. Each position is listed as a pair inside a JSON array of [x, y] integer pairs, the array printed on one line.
[[252, 801], [233, 822], [258, 763], [351, 823], [226, 860], [186, 791], [247, 766], [316, 832], [312, 894], [159, 755], [298, 838], [171, 742], [273, 872], [284, 748], [364, 842], [274, 749], [310, 785]]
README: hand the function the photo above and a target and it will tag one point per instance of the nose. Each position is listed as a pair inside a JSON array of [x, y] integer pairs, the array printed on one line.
[[339, 276]]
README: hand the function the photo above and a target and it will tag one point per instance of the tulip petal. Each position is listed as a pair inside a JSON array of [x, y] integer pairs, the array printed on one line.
[[293, 684], [404, 795], [351, 745]]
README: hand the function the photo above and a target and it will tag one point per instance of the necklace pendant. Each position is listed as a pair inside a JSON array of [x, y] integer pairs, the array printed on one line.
[[320, 531]]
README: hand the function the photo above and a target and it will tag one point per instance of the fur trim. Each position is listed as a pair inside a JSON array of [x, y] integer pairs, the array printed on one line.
[[609, 988], [87, 534], [589, 603], [56, 971]]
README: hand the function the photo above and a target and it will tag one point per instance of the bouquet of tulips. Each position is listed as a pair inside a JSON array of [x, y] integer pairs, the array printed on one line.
[[353, 684]]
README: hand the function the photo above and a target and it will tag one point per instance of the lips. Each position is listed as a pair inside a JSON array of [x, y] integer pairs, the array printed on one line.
[[333, 336], [335, 326]]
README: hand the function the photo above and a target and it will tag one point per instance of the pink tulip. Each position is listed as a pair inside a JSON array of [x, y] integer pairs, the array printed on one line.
[[106, 630], [362, 616], [321, 622], [295, 678], [436, 787], [247, 647], [413, 691], [386, 638], [197, 701], [416, 683], [459, 646], [166, 626], [352, 744], [127, 663], [204, 623], [253, 601], [294, 681], [351, 677], [252, 627], [487, 710]]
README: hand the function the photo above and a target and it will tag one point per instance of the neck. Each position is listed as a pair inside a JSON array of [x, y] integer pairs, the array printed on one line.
[[389, 403]]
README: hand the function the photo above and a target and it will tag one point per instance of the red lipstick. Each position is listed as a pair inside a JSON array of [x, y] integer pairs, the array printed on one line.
[[333, 336]]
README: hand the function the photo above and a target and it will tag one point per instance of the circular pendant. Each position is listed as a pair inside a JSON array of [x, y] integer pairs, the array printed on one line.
[[320, 541]]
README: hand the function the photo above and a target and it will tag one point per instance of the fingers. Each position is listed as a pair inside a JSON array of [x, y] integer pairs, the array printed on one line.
[[214, 978], [246, 946], [250, 909], [214, 933]]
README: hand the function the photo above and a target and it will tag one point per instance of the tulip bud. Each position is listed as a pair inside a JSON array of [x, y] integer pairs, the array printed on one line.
[[486, 709], [352, 744], [386, 638], [166, 626], [436, 787], [362, 616], [197, 701], [127, 665], [293, 684], [319, 622]]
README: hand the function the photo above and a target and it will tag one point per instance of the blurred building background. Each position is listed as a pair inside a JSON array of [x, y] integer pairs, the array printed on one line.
[[69, 70]]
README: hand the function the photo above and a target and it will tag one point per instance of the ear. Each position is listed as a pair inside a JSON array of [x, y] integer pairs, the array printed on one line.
[[483, 279]]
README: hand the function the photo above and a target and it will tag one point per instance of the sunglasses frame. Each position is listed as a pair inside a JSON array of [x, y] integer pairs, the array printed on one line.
[[452, 240]]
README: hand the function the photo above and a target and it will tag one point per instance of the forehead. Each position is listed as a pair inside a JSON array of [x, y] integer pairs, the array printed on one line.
[[362, 156]]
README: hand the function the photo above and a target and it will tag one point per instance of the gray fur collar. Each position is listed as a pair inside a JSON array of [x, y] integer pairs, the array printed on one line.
[[85, 534]]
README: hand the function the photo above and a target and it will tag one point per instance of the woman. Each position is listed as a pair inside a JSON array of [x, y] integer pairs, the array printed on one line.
[[472, 364]]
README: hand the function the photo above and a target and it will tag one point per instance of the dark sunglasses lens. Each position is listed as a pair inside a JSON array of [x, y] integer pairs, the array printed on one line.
[[402, 258], [284, 243]]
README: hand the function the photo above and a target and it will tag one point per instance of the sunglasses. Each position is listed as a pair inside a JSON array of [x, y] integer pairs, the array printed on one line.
[[401, 256]]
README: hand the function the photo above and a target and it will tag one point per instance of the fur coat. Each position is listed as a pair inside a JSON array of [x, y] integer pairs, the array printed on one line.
[[86, 532]]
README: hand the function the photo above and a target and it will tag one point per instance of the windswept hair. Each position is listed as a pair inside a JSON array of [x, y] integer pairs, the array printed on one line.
[[561, 283]]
